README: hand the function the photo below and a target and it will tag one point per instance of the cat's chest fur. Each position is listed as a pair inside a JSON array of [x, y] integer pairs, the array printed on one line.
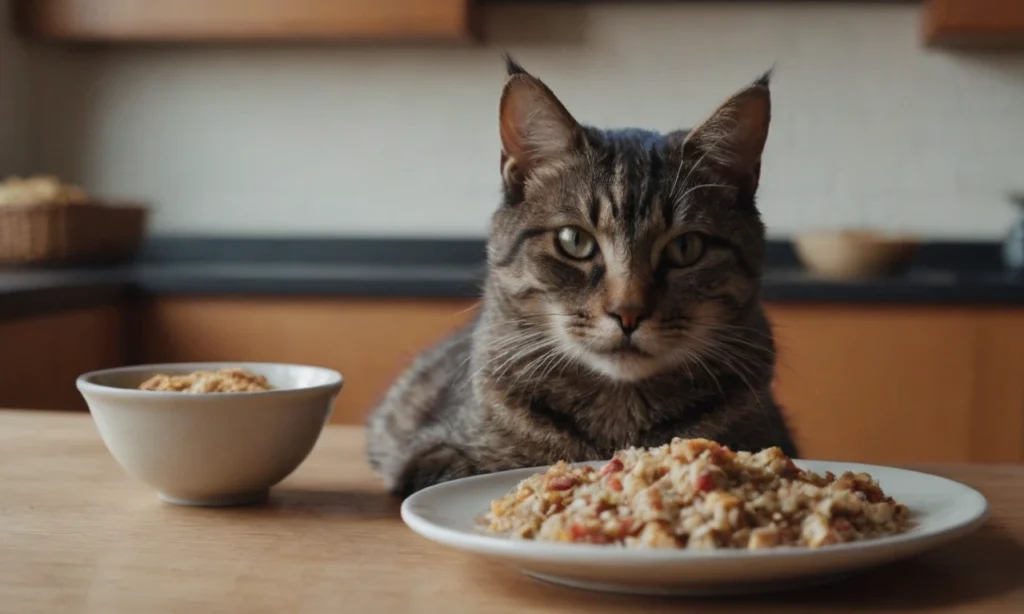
[[581, 417]]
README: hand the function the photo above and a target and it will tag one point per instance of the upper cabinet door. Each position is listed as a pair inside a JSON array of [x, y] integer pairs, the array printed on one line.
[[113, 21], [974, 23]]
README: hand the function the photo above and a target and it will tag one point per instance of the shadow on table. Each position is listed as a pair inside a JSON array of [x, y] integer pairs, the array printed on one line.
[[977, 569], [353, 503]]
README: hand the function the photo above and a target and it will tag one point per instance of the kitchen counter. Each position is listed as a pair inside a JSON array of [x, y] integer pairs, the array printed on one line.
[[443, 269], [34, 292], [81, 535]]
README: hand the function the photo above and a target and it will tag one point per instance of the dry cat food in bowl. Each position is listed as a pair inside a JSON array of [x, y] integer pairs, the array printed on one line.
[[203, 382], [226, 438], [698, 495]]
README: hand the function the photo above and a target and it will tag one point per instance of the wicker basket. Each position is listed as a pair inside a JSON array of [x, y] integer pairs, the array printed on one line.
[[70, 234]]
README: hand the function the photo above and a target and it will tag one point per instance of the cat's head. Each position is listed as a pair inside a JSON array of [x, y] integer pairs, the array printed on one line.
[[632, 252]]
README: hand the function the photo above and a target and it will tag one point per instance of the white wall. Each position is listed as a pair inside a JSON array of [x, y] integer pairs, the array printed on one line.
[[869, 127], [15, 100]]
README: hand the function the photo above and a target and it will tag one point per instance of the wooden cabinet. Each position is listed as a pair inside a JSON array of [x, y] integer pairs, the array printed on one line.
[[997, 409], [245, 20], [860, 383], [974, 23], [369, 341], [42, 355], [902, 384], [882, 384]]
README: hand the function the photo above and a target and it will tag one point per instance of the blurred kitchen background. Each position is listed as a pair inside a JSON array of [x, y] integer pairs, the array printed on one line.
[[311, 181]]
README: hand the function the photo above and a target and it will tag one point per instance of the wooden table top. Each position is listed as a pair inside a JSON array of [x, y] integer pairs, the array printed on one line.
[[78, 535]]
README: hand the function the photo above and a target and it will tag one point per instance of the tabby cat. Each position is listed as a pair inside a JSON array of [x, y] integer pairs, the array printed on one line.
[[621, 308]]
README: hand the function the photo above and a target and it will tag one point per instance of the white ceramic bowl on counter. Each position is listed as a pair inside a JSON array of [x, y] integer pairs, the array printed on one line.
[[855, 253], [211, 449]]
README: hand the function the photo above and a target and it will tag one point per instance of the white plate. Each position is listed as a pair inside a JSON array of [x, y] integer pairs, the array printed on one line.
[[943, 510]]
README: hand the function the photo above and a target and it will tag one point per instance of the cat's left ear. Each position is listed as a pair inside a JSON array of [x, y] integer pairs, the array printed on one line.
[[733, 137], [535, 127]]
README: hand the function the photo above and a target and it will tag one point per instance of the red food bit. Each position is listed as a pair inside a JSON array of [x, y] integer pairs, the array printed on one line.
[[874, 496], [625, 526], [615, 483], [562, 482], [718, 455], [654, 498], [791, 469], [705, 483], [578, 532], [613, 466]]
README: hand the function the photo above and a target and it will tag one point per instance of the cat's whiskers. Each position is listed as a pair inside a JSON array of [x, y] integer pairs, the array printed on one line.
[[495, 373], [534, 366], [502, 346], [724, 333], [500, 349], [505, 342], [686, 365], [501, 341], [714, 379], [563, 359], [539, 366], [475, 305], [560, 357], [730, 346], [735, 327], [739, 359], [739, 340], [530, 317], [741, 369], [517, 356], [514, 347]]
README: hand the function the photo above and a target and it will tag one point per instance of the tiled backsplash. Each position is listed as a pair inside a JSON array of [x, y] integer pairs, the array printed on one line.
[[869, 127]]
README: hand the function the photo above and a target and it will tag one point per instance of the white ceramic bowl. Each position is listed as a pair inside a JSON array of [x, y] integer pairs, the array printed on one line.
[[854, 253], [211, 449]]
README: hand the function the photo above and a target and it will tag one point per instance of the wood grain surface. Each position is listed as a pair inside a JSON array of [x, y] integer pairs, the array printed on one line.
[[370, 341], [974, 23], [881, 384], [40, 356], [245, 20], [79, 536]]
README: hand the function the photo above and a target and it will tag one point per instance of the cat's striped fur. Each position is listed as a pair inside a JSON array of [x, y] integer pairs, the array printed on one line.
[[549, 369]]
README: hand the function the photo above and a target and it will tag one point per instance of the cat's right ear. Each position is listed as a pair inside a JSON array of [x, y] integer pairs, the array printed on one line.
[[535, 128]]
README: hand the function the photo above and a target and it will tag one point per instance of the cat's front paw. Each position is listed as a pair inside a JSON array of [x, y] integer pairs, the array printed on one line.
[[439, 463]]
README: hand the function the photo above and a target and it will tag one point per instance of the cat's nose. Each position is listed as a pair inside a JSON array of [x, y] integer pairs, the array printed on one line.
[[628, 316]]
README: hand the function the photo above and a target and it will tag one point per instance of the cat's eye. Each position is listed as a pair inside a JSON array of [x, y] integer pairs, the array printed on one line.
[[576, 243], [685, 250]]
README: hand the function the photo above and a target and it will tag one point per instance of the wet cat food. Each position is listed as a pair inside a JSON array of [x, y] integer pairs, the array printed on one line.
[[697, 494]]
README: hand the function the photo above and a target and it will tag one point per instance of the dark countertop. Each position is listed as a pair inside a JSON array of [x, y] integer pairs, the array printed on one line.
[[425, 269], [31, 292], [24, 293]]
